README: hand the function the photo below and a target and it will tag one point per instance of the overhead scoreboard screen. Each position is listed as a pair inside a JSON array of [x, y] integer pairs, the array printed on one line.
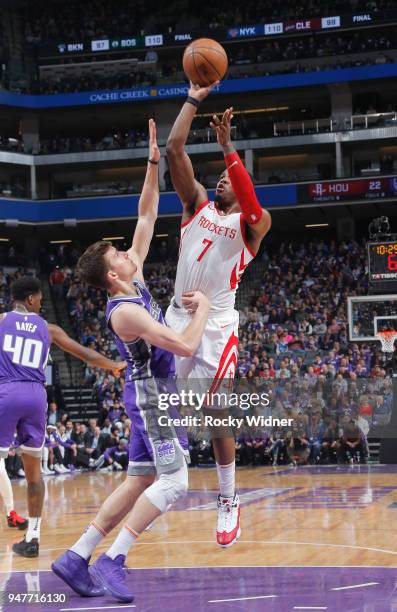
[[348, 191], [382, 261]]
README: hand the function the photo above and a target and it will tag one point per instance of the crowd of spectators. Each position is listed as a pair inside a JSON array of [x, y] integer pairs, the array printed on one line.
[[12, 271], [313, 439], [112, 140], [90, 83], [98, 444], [44, 21], [313, 47], [280, 56]]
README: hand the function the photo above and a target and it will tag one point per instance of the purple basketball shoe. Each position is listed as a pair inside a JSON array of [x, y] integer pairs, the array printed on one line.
[[73, 569], [110, 573]]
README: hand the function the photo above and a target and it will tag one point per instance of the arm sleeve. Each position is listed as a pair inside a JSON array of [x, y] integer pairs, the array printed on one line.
[[243, 188]]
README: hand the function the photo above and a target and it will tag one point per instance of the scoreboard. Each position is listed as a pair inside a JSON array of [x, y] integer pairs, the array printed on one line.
[[349, 190], [382, 262]]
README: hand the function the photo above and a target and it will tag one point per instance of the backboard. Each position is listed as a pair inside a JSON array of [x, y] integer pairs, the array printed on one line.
[[368, 314]]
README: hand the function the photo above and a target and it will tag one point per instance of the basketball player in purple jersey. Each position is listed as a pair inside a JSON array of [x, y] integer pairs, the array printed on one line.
[[157, 472], [25, 340]]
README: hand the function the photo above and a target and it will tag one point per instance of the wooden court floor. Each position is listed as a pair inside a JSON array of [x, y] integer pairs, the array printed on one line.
[[325, 536]]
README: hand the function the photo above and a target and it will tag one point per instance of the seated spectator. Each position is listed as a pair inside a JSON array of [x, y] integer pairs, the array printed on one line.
[[53, 415], [353, 444], [116, 457], [52, 458], [14, 465], [316, 434], [107, 426], [331, 443], [298, 446]]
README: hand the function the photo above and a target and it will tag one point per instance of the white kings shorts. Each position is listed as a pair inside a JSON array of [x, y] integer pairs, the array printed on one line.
[[215, 361]]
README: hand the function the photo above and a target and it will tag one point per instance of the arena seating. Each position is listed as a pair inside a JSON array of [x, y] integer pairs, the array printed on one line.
[[45, 21], [274, 57]]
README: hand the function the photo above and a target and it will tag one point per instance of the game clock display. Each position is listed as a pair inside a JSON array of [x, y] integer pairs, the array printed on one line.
[[382, 261]]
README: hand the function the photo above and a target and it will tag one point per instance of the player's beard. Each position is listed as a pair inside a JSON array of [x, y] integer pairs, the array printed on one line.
[[220, 203]]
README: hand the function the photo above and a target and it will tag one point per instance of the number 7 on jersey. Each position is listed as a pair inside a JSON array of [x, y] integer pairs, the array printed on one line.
[[207, 244]]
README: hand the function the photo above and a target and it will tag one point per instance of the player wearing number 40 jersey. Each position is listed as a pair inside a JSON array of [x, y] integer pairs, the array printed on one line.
[[25, 340], [218, 240]]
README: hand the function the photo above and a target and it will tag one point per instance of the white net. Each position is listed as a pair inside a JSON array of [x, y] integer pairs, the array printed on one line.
[[387, 338]]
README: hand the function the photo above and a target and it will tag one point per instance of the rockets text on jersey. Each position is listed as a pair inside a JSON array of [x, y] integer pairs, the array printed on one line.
[[213, 256]]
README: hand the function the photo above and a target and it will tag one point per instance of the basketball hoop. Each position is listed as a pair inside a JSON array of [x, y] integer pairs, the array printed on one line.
[[387, 338]]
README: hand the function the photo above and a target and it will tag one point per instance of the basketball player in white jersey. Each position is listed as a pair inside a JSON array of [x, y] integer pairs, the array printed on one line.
[[218, 240]]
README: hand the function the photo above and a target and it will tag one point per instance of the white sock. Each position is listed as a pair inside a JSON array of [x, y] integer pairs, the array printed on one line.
[[90, 539], [45, 457], [227, 479], [33, 528], [123, 542], [6, 488]]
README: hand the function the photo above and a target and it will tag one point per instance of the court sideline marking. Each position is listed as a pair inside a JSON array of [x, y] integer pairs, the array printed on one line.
[[310, 608], [354, 586], [97, 608], [242, 598], [195, 567], [263, 542]]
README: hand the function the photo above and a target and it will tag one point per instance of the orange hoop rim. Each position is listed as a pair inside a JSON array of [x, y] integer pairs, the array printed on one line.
[[387, 334]]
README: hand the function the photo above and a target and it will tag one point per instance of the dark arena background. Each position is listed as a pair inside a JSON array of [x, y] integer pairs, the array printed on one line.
[[314, 91]]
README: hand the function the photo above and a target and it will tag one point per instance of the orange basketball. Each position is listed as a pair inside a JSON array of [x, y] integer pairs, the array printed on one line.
[[204, 62]]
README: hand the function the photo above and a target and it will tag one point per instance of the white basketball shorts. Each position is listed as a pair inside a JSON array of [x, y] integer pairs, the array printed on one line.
[[215, 360]]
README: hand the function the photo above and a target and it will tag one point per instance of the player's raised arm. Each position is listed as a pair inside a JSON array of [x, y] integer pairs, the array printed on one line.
[[131, 321], [190, 191], [149, 200], [67, 344], [257, 218]]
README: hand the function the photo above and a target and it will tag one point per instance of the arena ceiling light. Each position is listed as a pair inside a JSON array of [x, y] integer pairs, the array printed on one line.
[[4, 240], [161, 235], [113, 238], [250, 111], [317, 225], [60, 241]]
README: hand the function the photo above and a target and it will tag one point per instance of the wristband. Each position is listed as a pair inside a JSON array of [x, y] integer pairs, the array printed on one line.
[[151, 161], [191, 100]]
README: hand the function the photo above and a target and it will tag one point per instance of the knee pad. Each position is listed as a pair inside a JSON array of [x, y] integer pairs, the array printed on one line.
[[168, 489]]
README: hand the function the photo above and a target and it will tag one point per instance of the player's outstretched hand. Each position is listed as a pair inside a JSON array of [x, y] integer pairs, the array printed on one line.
[[200, 93], [119, 366], [222, 127], [191, 300], [154, 151]]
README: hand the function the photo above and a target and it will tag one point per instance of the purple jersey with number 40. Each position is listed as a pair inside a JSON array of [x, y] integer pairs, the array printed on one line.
[[24, 344]]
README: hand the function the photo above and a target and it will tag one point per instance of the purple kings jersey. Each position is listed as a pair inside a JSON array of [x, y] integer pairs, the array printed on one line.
[[25, 344], [144, 360]]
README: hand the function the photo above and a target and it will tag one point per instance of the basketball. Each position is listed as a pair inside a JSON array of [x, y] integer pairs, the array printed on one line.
[[205, 61]]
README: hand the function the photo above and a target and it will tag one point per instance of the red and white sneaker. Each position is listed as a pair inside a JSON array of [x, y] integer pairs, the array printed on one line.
[[16, 521], [228, 528]]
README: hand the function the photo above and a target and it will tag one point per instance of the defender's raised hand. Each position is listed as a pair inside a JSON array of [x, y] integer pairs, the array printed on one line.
[[154, 151]]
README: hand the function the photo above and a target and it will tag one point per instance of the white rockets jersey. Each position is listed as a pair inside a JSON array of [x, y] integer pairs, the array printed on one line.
[[213, 255]]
